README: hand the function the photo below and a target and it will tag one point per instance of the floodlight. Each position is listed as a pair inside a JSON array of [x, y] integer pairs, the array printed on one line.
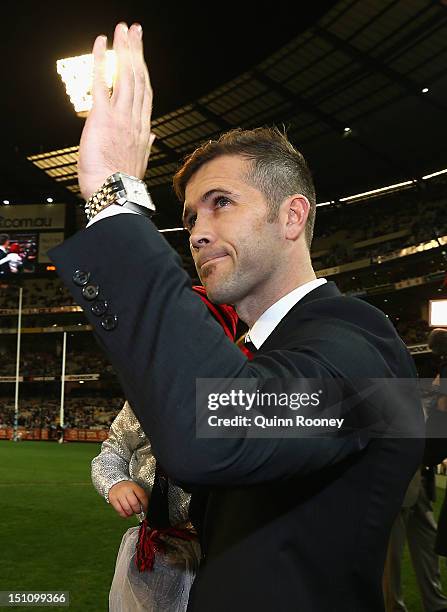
[[77, 75]]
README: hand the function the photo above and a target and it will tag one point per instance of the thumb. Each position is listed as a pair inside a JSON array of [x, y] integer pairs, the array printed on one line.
[[152, 137]]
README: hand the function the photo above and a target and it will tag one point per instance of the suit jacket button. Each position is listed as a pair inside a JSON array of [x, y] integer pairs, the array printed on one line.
[[90, 292], [99, 308], [109, 322], [81, 278]]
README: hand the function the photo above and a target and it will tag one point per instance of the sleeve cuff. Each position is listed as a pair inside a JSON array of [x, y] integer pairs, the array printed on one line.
[[110, 211]]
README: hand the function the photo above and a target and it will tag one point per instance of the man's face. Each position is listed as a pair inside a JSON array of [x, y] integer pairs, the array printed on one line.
[[235, 250]]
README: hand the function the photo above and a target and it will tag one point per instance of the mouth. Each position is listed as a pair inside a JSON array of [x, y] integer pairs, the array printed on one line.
[[212, 259]]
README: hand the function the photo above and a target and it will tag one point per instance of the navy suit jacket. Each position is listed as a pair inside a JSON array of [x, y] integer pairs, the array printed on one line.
[[290, 524], [4, 268]]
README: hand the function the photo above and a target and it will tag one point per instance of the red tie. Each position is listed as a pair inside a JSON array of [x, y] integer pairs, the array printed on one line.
[[249, 349]]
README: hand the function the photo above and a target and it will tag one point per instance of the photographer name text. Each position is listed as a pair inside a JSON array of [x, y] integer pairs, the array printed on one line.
[[264, 422]]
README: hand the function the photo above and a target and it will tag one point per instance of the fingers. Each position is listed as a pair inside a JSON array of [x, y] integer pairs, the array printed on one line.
[[147, 152], [118, 507], [139, 69], [125, 504], [151, 142], [100, 90], [142, 103], [133, 503], [123, 92], [127, 499], [142, 499], [146, 110]]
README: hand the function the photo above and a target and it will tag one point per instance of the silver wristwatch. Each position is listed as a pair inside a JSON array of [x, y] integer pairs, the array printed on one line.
[[127, 191]]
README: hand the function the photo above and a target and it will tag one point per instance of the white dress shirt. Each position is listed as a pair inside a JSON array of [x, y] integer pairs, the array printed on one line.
[[110, 211], [269, 319]]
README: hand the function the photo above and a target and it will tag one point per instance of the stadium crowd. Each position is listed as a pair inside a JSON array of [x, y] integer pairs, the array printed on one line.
[[38, 293], [89, 412], [40, 363]]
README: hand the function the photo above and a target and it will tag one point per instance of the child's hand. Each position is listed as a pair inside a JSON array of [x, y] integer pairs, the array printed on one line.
[[128, 498]]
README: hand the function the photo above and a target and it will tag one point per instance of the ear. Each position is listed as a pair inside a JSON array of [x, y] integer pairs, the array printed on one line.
[[297, 208]]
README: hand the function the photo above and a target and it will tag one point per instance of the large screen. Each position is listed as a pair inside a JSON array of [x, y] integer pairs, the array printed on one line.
[[24, 247], [31, 230]]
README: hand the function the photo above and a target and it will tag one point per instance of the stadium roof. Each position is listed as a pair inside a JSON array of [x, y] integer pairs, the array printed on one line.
[[362, 88]]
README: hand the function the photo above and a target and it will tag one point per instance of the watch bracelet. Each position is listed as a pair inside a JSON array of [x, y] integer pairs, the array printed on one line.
[[100, 200]]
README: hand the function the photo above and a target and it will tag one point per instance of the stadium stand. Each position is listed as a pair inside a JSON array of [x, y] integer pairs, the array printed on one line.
[[387, 250]]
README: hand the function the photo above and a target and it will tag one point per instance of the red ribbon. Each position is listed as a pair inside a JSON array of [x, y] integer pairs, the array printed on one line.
[[223, 313], [246, 351], [150, 541]]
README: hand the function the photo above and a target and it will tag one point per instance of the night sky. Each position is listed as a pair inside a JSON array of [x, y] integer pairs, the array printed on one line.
[[190, 49]]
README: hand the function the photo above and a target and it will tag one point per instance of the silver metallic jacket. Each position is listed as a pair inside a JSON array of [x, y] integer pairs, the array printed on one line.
[[127, 455]]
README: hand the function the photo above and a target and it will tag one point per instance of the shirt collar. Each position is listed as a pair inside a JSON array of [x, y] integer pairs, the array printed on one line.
[[269, 319]]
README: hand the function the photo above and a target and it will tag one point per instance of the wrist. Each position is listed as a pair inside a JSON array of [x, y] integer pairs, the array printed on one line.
[[91, 184], [124, 190]]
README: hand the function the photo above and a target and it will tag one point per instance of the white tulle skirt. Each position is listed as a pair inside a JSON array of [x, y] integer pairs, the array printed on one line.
[[165, 588]]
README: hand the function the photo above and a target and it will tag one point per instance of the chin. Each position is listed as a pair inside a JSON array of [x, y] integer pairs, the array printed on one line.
[[211, 291], [221, 285], [220, 293]]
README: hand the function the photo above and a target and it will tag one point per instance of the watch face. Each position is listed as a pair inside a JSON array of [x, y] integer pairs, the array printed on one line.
[[136, 191]]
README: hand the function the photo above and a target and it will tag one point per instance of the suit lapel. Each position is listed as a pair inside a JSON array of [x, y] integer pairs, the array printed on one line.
[[328, 290]]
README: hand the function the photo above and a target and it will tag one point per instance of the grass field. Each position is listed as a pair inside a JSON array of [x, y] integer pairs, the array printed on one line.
[[57, 533]]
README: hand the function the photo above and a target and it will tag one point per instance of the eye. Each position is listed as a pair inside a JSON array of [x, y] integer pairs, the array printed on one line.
[[221, 202]]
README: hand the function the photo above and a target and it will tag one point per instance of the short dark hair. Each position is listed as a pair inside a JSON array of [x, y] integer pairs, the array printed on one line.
[[437, 341], [3, 239], [278, 169]]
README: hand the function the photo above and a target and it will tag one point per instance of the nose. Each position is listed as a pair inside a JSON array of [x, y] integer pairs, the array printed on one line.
[[201, 235]]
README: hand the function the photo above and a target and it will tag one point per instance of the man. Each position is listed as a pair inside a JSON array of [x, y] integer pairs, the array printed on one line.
[[10, 260], [4, 244], [436, 447], [289, 523], [416, 524]]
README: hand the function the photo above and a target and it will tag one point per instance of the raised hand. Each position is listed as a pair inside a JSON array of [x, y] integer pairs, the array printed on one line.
[[117, 134]]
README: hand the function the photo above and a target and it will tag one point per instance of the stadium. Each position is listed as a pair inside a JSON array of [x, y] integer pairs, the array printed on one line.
[[361, 90]]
